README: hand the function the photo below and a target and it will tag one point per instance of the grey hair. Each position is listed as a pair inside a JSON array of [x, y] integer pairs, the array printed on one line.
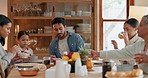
[[145, 19]]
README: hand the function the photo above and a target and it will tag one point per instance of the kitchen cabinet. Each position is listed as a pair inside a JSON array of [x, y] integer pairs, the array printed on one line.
[[35, 16]]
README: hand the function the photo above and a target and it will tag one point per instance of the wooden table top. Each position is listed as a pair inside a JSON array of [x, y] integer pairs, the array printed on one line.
[[41, 74]]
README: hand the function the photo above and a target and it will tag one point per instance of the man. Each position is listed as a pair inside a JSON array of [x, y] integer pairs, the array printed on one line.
[[64, 41], [131, 51], [130, 34]]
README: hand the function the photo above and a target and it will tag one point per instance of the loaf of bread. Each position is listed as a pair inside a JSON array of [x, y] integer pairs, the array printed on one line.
[[133, 73]]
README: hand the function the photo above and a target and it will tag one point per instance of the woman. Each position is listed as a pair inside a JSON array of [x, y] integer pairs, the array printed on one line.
[[23, 41], [5, 26], [130, 34]]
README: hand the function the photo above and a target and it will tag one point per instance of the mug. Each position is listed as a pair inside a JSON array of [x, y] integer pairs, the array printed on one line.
[[50, 73], [62, 69]]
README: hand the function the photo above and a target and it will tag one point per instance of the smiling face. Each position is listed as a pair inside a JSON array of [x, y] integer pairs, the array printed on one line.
[[5, 30], [59, 30], [143, 29], [24, 41]]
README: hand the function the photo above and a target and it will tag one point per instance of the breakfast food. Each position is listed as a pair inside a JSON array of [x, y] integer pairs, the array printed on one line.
[[133, 73]]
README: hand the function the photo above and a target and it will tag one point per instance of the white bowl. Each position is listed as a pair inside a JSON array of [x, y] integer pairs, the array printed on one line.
[[24, 55]]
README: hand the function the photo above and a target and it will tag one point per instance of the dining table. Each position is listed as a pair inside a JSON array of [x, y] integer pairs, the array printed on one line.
[[95, 72]]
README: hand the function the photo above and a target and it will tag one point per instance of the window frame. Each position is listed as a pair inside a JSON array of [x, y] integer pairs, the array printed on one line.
[[129, 2]]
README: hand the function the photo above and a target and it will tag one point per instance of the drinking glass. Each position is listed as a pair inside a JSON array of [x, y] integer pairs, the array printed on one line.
[[46, 60]]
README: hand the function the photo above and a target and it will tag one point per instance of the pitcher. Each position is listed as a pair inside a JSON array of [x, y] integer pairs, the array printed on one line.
[[62, 69]]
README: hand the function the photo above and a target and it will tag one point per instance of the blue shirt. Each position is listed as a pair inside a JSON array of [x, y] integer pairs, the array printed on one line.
[[74, 41]]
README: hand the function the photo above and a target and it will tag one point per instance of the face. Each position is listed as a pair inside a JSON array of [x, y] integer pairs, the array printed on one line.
[[24, 41], [5, 30], [59, 30], [130, 30], [142, 29]]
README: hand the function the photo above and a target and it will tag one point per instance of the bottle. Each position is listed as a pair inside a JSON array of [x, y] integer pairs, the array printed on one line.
[[78, 64], [106, 66]]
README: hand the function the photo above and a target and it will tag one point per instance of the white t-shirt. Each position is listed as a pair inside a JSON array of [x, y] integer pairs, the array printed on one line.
[[63, 45]]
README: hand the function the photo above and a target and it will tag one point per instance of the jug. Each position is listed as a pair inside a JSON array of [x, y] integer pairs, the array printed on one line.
[[62, 69]]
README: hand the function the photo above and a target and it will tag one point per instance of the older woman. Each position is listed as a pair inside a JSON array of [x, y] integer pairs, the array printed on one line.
[[5, 25]]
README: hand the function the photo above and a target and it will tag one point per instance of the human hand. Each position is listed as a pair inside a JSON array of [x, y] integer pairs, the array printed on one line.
[[125, 37], [141, 58], [14, 49], [94, 54], [114, 44]]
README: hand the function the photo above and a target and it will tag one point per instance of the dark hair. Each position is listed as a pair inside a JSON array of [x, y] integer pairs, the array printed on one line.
[[3, 21], [58, 20], [132, 22], [145, 19], [21, 33]]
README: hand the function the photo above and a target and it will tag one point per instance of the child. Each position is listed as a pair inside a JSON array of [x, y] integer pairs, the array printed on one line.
[[23, 41]]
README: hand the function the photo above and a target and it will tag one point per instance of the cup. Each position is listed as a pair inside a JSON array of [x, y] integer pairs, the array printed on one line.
[[50, 73], [62, 69], [33, 58], [46, 60], [120, 35]]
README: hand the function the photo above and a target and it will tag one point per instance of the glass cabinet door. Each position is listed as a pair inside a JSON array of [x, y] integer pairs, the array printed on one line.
[[32, 9], [78, 18], [70, 9]]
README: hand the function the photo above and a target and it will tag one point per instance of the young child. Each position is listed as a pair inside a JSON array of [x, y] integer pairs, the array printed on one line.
[[23, 41]]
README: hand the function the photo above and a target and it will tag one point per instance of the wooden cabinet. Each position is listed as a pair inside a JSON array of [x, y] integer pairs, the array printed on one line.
[[35, 16]]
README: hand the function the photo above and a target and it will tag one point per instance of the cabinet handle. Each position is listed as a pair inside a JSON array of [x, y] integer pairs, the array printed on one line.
[[53, 8], [11, 8]]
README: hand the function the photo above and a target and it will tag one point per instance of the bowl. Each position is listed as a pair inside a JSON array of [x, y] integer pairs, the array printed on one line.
[[28, 71], [24, 55]]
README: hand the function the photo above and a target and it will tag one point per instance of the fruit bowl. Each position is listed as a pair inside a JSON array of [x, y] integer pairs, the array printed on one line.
[[28, 71]]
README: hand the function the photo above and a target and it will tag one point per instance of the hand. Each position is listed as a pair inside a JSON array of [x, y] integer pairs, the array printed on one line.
[[94, 54], [114, 44], [125, 37], [141, 58], [14, 49]]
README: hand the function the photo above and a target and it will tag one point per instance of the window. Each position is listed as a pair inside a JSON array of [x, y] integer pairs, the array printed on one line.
[[114, 13]]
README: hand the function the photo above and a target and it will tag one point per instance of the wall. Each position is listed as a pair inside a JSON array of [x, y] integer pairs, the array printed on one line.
[[3, 10], [141, 2]]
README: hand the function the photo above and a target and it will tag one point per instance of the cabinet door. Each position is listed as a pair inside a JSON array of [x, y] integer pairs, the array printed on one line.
[[78, 17]]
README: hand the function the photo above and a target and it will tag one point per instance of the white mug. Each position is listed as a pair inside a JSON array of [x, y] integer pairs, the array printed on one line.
[[50, 73], [62, 69]]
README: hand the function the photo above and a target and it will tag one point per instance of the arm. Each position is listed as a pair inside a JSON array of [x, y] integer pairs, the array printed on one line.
[[125, 53], [6, 57], [125, 37], [80, 42]]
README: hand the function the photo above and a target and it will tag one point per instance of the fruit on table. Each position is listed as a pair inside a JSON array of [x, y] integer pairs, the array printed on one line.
[[75, 55], [65, 58], [89, 64], [70, 54]]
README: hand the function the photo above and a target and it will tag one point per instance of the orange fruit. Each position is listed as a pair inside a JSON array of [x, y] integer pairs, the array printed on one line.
[[65, 58], [75, 55]]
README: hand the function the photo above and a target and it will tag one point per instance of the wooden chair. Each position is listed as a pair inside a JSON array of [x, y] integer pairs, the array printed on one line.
[[2, 71]]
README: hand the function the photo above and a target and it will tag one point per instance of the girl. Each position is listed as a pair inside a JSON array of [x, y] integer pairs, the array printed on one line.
[[23, 41]]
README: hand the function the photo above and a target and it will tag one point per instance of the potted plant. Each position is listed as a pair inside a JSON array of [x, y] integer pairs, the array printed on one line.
[[83, 55]]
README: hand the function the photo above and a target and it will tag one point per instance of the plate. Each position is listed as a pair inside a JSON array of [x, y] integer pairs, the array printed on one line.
[[35, 65], [38, 61]]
